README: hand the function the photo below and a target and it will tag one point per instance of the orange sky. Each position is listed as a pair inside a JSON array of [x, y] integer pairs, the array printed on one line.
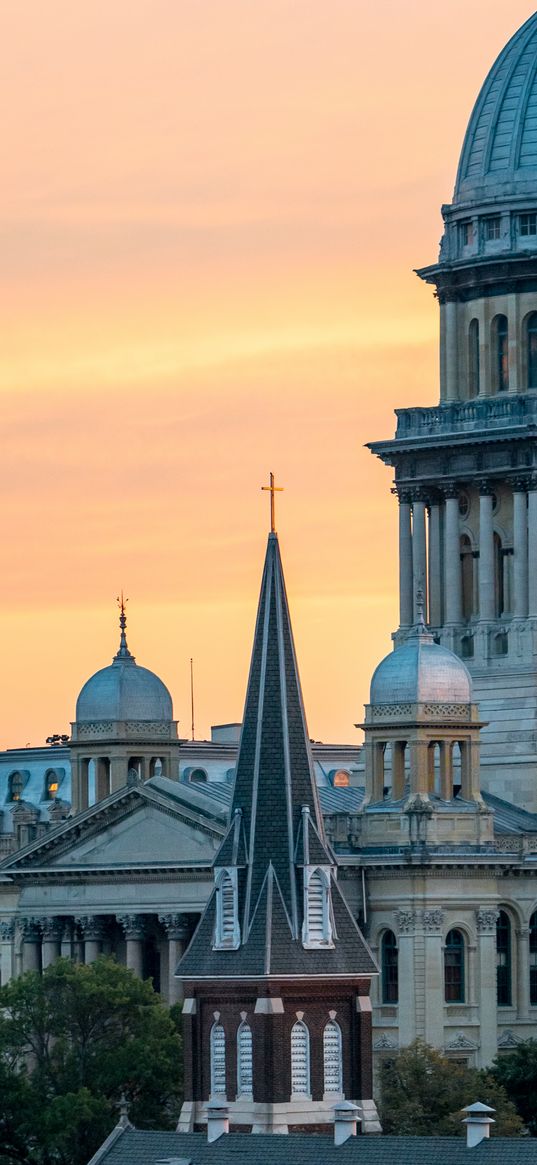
[[210, 215]]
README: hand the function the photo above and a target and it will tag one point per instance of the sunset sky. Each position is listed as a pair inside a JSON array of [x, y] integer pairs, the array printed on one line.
[[211, 210]]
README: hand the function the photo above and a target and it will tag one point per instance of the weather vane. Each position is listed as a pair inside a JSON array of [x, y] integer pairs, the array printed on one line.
[[273, 489]]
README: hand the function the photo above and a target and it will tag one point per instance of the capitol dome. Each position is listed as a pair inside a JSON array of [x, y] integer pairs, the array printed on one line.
[[421, 672], [124, 691], [499, 154]]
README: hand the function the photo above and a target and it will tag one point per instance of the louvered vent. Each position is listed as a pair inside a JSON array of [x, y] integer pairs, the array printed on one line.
[[244, 1060], [300, 1060], [218, 1060], [332, 1058]]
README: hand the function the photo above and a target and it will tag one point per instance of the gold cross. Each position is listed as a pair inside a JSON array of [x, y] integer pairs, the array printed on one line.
[[273, 489]]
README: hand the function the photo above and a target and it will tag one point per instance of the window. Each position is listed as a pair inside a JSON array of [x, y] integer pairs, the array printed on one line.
[[389, 967], [533, 958], [473, 359], [218, 1060], [492, 228], [227, 922], [332, 1058], [503, 960], [531, 342], [528, 223], [244, 1060], [300, 1060], [500, 354], [15, 786], [466, 233], [454, 967], [317, 929]]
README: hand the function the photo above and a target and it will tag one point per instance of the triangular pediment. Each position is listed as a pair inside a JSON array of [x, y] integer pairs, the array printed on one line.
[[135, 828]]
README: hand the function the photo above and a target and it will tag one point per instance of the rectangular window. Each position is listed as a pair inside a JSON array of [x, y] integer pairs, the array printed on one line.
[[528, 223], [492, 228]]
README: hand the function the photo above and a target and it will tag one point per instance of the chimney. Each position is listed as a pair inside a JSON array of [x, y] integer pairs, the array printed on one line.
[[217, 1119], [345, 1121], [477, 1123]]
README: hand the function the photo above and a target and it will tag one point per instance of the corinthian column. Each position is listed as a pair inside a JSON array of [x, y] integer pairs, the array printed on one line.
[[453, 572], [405, 561], [177, 931], [487, 598], [134, 927]]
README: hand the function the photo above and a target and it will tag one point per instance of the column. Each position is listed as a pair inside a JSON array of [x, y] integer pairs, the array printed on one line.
[[177, 931], [93, 928], [532, 549], [406, 920], [452, 558], [51, 930], [451, 350], [31, 948], [419, 560], [405, 561], [7, 953], [435, 566], [520, 545], [133, 927], [523, 972], [434, 977], [487, 600], [486, 919]]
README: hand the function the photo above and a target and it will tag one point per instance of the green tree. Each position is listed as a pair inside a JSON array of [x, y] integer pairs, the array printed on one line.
[[516, 1071], [72, 1041], [422, 1094]]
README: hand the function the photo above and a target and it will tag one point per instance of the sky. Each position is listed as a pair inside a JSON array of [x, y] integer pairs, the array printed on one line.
[[210, 212]]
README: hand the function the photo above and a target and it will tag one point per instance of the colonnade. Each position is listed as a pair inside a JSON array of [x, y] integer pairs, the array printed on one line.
[[430, 554]]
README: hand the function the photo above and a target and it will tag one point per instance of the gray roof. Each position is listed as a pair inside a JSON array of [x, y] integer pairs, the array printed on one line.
[[420, 671], [132, 1147], [499, 155]]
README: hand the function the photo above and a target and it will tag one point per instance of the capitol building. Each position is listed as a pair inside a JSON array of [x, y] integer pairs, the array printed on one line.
[[107, 839]]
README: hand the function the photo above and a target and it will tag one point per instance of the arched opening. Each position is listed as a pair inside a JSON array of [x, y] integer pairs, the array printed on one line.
[[533, 958], [454, 988], [389, 967], [300, 1059], [467, 571], [503, 960], [218, 1060], [473, 358], [244, 1060], [332, 1058], [531, 349], [500, 354]]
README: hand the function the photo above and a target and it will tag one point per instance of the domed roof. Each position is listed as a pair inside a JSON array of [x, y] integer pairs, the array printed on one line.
[[124, 691], [499, 155], [421, 672]]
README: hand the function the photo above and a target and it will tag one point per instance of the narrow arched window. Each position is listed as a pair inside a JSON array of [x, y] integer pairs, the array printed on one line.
[[473, 358], [454, 967], [531, 349], [218, 1060], [390, 968], [300, 1059], [533, 958], [500, 354], [244, 1060], [332, 1058], [503, 960]]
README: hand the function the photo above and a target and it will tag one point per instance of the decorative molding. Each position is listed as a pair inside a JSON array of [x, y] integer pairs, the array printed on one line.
[[486, 919], [406, 921], [432, 920]]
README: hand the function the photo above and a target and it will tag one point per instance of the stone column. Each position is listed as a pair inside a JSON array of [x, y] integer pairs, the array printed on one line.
[[532, 549], [177, 931], [435, 566], [434, 977], [31, 949], [520, 545], [93, 928], [7, 953], [51, 930], [405, 922], [419, 557], [487, 603], [523, 972], [405, 560], [451, 349], [133, 927], [452, 559], [486, 918]]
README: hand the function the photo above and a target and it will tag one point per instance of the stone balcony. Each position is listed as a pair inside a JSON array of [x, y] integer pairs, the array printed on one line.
[[512, 412]]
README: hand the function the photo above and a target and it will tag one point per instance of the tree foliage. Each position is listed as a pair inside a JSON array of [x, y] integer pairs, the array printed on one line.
[[423, 1094], [516, 1072], [72, 1041]]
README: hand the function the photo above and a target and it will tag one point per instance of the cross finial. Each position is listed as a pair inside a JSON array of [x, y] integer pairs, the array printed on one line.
[[273, 489]]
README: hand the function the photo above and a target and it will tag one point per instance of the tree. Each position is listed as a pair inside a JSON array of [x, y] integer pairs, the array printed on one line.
[[516, 1071], [72, 1041], [423, 1094]]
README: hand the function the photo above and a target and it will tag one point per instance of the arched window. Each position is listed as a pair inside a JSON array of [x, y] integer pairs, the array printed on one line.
[[300, 1059], [533, 958], [332, 1058], [244, 1060], [390, 968], [503, 960], [500, 354], [531, 342], [454, 967], [473, 358], [218, 1060], [15, 786], [227, 922]]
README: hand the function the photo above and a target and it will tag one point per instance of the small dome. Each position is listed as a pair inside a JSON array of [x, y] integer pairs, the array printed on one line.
[[499, 155], [419, 672], [124, 691]]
